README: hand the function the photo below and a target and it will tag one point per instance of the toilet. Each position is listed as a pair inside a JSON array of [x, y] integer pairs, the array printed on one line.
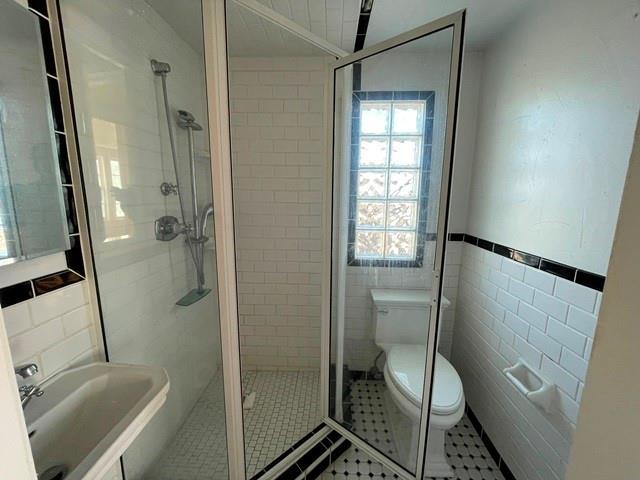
[[401, 319]]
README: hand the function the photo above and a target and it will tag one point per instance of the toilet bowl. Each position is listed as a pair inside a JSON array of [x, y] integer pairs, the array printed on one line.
[[404, 377], [401, 319]]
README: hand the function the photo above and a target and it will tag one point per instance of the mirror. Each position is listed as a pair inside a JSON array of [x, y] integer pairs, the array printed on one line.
[[389, 130], [32, 212]]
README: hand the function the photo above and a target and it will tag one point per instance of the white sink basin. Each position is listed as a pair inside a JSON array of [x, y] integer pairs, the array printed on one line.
[[88, 416]]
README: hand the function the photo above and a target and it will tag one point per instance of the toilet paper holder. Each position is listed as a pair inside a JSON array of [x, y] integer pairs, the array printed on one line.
[[536, 388]]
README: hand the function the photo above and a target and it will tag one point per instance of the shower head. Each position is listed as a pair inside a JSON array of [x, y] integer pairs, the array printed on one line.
[[160, 68], [187, 120]]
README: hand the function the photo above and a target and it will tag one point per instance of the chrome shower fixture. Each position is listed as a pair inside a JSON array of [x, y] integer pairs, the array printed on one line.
[[160, 68], [26, 371], [187, 120], [169, 227], [168, 188]]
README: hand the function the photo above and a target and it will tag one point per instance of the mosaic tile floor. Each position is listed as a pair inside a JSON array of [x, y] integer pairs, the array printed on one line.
[[467, 454], [286, 408]]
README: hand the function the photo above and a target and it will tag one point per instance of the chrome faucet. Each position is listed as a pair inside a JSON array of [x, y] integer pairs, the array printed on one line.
[[27, 392]]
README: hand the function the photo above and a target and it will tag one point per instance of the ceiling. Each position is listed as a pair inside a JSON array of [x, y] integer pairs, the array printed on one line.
[[335, 21], [252, 35]]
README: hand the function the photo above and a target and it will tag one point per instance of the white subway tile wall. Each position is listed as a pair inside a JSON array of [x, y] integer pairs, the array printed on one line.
[[279, 161], [546, 321], [54, 330]]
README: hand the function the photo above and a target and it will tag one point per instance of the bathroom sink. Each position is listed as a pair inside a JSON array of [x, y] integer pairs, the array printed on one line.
[[89, 415]]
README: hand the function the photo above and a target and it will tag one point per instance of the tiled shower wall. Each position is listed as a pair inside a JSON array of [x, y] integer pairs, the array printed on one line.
[[123, 133], [279, 156], [508, 311]]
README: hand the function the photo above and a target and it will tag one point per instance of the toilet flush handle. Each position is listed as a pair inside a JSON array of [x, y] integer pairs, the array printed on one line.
[[383, 311]]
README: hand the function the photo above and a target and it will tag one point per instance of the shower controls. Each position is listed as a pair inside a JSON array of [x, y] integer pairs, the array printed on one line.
[[168, 227], [167, 189]]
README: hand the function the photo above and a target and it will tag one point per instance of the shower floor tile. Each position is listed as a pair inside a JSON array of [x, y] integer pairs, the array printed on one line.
[[467, 453], [199, 450], [286, 408]]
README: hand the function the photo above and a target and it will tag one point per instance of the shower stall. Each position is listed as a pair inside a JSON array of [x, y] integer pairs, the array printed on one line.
[[140, 108], [223, 229]]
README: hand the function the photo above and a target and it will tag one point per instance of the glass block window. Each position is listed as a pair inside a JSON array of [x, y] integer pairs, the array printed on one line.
[[391, 153]]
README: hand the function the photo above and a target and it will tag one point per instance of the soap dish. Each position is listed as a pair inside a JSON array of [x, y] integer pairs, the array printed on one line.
[[537, 389]]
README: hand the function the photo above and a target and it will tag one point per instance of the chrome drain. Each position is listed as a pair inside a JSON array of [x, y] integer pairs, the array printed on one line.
[[57, 472]]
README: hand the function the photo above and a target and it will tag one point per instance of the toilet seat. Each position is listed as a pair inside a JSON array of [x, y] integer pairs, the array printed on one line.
[[404, 373]]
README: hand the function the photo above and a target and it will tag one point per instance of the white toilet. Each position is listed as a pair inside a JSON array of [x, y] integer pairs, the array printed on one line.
[[401, 319]]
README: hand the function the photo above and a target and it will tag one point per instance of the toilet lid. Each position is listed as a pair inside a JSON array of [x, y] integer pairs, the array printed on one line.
[[405, 364]]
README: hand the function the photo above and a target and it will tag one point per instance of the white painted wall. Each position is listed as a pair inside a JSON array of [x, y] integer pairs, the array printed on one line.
[[121, 119], [559, 100]]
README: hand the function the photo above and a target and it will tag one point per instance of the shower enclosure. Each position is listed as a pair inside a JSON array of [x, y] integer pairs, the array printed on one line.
[[383, 209], [324, 174], [140, 107]]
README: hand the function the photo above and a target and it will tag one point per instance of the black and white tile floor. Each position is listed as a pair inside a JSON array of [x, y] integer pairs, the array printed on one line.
[[467, 454]]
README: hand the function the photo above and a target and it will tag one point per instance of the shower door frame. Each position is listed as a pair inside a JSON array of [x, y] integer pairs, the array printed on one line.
[[217, 86], [456, 21]]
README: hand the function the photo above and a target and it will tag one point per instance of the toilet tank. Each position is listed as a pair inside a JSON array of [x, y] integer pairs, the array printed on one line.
[[401, 316]]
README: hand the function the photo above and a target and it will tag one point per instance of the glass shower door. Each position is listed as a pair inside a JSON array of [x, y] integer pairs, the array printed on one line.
[[394, 119], [137, 75]]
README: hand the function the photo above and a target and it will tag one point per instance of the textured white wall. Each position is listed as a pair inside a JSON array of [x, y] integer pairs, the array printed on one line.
[[559, 100], [121, 119], [279, 159]]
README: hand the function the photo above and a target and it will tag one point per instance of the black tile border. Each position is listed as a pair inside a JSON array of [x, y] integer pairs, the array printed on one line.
[[493, 451], [363, 24], [287, 452], [326, 450], [29, 289], [49, 283], [39, 6], [16, 293], [573, 274], [26, 290]]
